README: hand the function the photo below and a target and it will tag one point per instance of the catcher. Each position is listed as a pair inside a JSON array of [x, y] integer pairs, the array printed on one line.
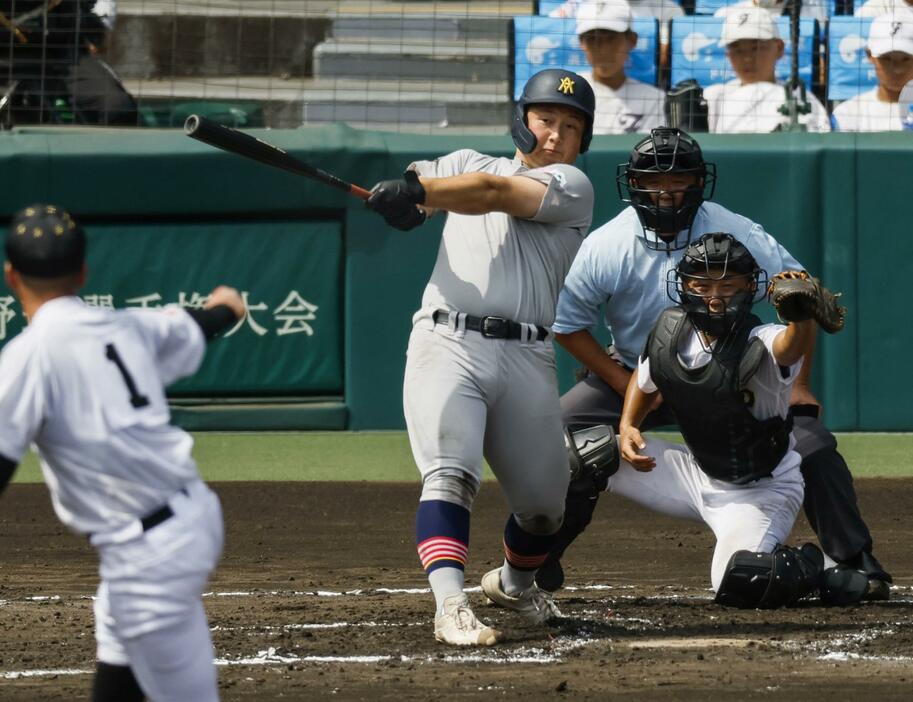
[[727, 378]]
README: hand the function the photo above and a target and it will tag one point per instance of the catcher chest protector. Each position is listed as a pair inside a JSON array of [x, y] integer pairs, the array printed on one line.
[[709, 402], [553, 86]]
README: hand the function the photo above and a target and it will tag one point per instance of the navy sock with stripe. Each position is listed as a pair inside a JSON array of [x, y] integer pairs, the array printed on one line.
[[442, 538]]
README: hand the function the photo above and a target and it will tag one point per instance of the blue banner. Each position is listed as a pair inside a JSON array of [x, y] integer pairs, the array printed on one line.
[[546, 42], [696, 51], [849, 70]]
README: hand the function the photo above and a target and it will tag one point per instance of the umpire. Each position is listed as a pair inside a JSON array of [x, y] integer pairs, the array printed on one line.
[[625, 265]]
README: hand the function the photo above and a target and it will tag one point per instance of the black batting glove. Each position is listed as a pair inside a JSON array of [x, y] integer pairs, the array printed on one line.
[[396, 200]]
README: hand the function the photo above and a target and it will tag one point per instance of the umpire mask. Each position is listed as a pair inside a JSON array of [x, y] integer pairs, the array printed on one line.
[[665, 151]]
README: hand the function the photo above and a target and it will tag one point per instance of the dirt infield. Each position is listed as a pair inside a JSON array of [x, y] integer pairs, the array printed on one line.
[[319, 595]]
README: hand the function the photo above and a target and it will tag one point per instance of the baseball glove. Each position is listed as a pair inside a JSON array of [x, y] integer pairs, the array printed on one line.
[[797, 296]]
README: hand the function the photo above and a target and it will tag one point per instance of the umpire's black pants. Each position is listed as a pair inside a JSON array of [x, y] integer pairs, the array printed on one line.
[[830, 498]]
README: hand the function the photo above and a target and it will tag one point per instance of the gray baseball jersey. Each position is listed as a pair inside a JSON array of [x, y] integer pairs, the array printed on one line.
[[495, 264], [465, 395]]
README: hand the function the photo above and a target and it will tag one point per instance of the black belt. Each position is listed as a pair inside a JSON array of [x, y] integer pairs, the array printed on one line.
[[492, 327], [160, 515], [156, 517]]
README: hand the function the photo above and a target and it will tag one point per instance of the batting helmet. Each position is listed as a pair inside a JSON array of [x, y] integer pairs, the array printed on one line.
[[716, 256], [668, 151], [553, 86], [45, 242]]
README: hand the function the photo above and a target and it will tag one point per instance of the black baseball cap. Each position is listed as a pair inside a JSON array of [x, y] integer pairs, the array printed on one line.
[[45, 242]]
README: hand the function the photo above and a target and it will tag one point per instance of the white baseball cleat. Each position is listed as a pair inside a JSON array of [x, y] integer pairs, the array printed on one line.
[[458, 626], [537, 606]]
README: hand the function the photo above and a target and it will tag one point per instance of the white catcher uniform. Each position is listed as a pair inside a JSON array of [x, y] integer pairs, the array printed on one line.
[[754, 517], [86, 385], [465, 394]]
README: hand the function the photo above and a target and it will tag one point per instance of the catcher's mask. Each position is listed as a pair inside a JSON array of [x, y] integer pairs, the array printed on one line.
[[666, 150], [553, 86], [715, 257]]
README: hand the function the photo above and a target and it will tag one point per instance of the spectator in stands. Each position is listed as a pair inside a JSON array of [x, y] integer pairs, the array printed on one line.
[[663, 10], [751, 102], [51, 50], [874, 8], [883, 109], [623, 105], [813, 9]]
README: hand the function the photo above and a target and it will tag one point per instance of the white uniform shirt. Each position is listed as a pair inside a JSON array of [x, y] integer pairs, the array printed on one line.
[[634, 107], [874, 8], [615, 268], [866, 113], [496, 264], [735, 108], [769, 387], [814, 9], [65, 385]]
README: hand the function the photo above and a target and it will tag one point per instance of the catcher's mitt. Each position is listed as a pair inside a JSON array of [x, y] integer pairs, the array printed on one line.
[[797, 297]]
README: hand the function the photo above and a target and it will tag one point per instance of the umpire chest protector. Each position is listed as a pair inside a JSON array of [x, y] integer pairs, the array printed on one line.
[[711, 402]]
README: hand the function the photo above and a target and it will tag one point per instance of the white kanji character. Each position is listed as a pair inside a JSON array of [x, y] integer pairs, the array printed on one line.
[[195, 301], [145, 301], [6, 314], [295, 312], [248, 317], [106, 301]]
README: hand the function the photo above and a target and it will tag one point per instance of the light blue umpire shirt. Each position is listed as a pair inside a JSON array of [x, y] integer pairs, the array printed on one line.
[[615, 267]]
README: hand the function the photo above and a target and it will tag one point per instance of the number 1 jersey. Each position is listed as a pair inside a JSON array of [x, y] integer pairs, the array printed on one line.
[[87, 386]]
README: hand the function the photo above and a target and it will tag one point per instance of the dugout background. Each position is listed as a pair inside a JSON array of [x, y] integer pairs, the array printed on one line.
[[169, 216]]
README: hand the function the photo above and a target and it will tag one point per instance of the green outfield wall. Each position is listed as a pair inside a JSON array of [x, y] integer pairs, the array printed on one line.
[[331, 289]]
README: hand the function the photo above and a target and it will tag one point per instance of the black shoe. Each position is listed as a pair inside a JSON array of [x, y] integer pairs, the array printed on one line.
[[550, 577], [878, 590], [869, 565]]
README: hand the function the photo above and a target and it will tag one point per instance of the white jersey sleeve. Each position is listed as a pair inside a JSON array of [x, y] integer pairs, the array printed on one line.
[[176, 339], [568, 197], [644, 379], [22, 397]]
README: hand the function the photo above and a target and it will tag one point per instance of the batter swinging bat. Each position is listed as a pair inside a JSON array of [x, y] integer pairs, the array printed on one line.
[[236, 142]]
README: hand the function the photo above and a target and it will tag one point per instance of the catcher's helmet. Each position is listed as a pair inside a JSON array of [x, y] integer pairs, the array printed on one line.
[[553, 86], [716, 256], [45, 242], [666, 150]]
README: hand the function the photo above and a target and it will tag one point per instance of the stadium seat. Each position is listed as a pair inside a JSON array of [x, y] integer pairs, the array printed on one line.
[[849, 72], [708, 7], [696, 51], [547, 42]]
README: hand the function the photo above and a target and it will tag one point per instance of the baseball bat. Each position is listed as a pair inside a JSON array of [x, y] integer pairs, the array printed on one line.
[[236, 142]]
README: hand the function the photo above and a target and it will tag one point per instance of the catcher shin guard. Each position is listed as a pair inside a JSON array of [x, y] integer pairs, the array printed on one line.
[[442, 535], [593, 454], [770, 580]]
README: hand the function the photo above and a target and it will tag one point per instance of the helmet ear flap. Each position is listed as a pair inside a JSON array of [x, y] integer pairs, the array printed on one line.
[[523, 138]]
